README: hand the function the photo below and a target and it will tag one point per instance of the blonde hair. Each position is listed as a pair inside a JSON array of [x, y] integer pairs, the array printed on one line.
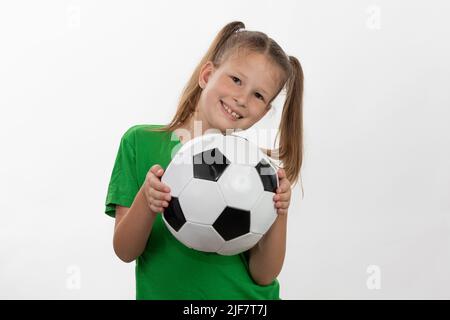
[[227, 42]]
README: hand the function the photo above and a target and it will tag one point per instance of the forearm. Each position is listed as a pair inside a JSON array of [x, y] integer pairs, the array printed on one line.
[[131, 234], [267, 257]]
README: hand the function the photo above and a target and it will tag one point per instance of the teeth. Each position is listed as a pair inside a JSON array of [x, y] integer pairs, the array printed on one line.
[[234, 114]]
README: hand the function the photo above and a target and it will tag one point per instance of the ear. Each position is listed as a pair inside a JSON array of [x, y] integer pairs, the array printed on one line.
[[205, 72]]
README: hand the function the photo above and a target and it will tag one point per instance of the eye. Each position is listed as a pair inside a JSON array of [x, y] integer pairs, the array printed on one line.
[[234, 78], [261, 97]]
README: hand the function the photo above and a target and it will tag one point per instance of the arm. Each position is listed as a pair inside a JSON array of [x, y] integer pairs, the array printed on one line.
[[132, 228], [267, 256]]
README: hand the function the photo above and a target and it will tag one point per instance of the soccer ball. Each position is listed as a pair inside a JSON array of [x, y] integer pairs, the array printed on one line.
[[222, 189]]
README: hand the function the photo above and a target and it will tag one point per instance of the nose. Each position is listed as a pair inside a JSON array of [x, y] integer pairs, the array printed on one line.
[[243, 95], [241, 100]]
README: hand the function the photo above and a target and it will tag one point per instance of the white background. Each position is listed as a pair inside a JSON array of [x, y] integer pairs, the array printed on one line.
[[75, 75]]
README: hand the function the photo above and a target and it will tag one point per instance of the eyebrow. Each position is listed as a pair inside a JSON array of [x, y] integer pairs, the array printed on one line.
[[244, 76]]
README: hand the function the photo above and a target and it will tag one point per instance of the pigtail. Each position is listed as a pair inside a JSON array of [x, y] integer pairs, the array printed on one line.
[[290, 150]]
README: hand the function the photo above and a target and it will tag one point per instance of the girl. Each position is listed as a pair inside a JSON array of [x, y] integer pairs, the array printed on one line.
[[232, 88]]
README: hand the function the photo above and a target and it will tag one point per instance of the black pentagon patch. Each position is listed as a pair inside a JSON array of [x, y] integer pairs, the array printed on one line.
[[174, 215], [210, 164], [232, 223], [268, 176]]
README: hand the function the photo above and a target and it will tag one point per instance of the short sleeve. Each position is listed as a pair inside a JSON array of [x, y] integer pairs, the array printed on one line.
[[123, 185]]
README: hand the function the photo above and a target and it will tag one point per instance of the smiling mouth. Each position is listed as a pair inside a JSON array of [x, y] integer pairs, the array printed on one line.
[[231, 114]]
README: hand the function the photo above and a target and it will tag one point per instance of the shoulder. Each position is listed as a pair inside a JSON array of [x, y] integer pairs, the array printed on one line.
[[143, 132], [139, 129]]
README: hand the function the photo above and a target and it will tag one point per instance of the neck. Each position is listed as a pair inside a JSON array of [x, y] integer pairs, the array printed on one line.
[[192, 128]]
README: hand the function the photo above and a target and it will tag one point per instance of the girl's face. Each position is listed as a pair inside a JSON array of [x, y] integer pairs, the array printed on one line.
[[244, 85]]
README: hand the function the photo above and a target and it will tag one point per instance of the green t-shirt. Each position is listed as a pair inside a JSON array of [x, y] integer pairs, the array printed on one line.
[[167, 269]]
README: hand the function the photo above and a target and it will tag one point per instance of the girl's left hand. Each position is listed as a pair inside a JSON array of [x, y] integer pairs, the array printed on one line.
[[283, 196]]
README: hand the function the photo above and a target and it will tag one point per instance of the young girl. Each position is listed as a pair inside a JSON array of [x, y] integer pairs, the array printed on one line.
[[232, 88]]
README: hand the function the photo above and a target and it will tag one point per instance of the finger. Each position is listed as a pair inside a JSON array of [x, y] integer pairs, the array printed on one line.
[[156, 184], [158, 195], [280, 188], [281, 197], [282, 204], [156, 209], [282, 211], [157, 170], [160, 172], [281, 173], [160, 203], [152, 173], [285, 187]]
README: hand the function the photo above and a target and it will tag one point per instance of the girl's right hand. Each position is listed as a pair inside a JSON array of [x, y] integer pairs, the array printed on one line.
[[156, 193]]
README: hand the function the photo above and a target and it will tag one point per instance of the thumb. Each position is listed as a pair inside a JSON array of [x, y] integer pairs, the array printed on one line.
[[157, 170]]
